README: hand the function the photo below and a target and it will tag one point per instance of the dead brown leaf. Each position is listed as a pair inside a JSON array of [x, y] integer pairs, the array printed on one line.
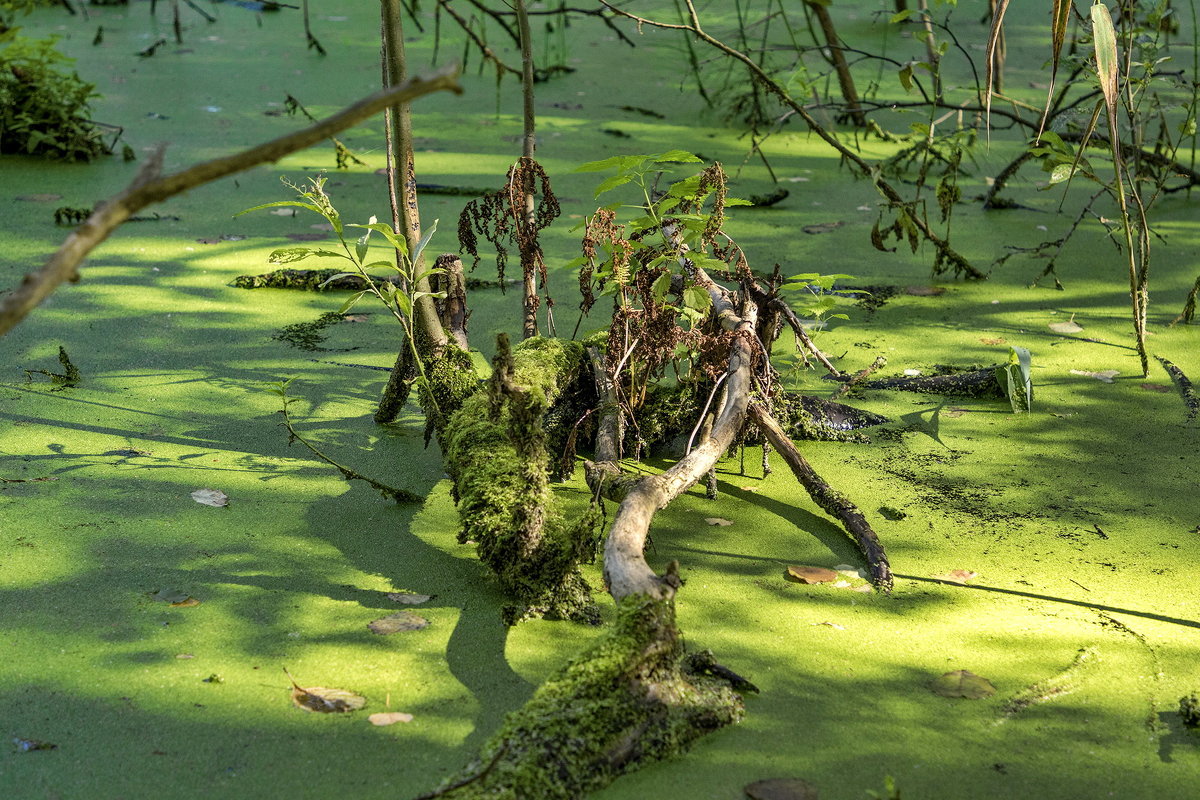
[[955, 576], [383, 718], [781, 789], [809, 575], [994, 340], [822, 227], [924, 291], [962, 683], [409, 598], [718, 521], [400, 621], [1070, 326], [323, 700], [1157, 387]]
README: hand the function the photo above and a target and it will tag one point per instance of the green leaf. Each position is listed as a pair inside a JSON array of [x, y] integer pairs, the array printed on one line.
[[277, 203], [361, 247], [395, 240], [696, 298], [1104, 39], [349, 304], [1061, 173], [421, 245], [900, 16], [615, 162], [676, 155], [332, 278], [661, 285], [403, 303], [612, 182], [288, 255]]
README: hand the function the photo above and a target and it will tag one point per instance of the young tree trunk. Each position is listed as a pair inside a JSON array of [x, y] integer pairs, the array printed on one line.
[[528, 145], [431, 338]]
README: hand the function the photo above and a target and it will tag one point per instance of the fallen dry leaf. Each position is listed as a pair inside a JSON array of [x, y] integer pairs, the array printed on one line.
[[781, 789], [400, 621], [718, 521], [994, 340], [211, 497], [841, 584], [174, 597], [822, 227], [833, 625], [924, 291], [355, 317], [323, 700], [866, 588], [962, 683], [1157, 387], [955, 576], [389, 718], [803, 574], [1070, 326], [409, 598], [1105, 375]]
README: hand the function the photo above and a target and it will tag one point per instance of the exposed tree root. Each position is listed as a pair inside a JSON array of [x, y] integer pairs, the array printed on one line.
[[831, 501], [981, 383], [1185, 387]]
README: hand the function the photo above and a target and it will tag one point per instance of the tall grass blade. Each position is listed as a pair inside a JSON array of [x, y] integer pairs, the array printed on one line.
[[990, 59], [1060, 15]]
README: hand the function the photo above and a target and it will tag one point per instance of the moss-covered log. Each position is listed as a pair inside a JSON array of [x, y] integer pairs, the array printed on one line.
[[633, 698], [495, 449]]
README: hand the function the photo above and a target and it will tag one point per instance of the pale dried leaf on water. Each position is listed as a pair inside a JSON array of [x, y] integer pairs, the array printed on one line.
[[409, 598], [994, 340], [960, 576], [924, 291], [833, 625], [174, 598], [822, 227], [781, 789], [1068, 326], [283, 212], [805, 574], [1104, 375], [211, 497], [1157, 387], [383, 718], [851, 571], [962, 683], [324, 700], [718, 521], [400, 621]]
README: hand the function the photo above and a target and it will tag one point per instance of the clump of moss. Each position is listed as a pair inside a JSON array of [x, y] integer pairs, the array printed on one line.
[[633, 698], [1189, 709], [450, 379], [495, 451], [307, 335]]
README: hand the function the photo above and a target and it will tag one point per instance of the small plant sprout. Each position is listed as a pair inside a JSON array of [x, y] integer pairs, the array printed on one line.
[[398, 293]]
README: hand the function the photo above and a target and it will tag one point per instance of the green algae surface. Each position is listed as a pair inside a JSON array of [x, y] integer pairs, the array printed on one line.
[[1079, 519]]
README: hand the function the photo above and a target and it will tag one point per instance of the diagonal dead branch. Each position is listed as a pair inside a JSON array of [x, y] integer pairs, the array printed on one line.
[[148, 187]]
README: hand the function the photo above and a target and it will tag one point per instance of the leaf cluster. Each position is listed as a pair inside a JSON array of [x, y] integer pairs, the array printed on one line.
[[44, 105]]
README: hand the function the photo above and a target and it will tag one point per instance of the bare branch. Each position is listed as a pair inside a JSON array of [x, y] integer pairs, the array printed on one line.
[[147, 188]]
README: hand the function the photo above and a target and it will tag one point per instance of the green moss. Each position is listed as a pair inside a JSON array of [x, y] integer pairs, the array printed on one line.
[[495, 448], [627, 701], [450, 379]]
